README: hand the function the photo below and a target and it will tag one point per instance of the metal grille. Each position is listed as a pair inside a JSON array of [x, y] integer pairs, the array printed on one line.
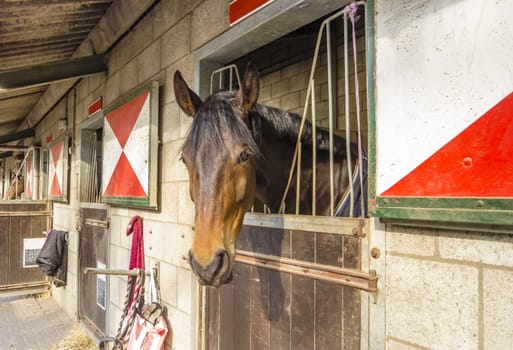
[[91, 166]]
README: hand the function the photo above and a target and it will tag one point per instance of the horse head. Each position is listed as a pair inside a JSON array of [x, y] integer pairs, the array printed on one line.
[[220, 156]]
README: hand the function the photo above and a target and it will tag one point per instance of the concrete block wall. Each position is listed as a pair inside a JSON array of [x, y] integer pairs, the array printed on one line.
[[65, 214], [448, 289], [158, 45]]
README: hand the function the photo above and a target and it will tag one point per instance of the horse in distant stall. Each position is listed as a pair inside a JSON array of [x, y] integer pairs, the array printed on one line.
[[237, 149], [16, 188]]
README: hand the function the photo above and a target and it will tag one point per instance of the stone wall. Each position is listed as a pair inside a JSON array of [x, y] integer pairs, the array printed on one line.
[[448, 289]]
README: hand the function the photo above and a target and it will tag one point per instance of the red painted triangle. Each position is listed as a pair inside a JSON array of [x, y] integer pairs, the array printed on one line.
[[55, 188], [476, 163], [56, 150], [122, 119], [124, 181]]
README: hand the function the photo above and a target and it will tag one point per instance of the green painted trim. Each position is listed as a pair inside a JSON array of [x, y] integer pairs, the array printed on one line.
[[452, 215], [370, 49], [472, 203], [494, 211], [127, 201]]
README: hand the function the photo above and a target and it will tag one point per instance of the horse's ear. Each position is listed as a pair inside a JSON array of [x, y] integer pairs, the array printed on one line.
[[186, 98], [248, 92]]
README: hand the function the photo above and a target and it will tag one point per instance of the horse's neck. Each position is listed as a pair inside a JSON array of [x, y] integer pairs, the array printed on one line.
[[273, 171], [274, 168]]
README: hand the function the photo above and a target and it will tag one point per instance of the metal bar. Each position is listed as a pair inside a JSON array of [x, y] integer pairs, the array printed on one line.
[[220, 71], [305, 109], [24, 213], [347, 277], [314, 154], [221, 81], [330, 117], [117, 272], [4, 148], [347, 120], [24, 285], [230, 85], [298, 178], [97, 223], [327, 224]]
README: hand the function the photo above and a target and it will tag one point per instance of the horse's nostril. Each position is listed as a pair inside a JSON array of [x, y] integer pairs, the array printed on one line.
[[214, 272]]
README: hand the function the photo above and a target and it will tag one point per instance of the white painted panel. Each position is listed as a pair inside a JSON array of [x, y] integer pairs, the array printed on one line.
[[439, 66]]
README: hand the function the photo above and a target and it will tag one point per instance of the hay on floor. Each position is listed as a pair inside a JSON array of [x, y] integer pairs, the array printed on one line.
[[76, 340]]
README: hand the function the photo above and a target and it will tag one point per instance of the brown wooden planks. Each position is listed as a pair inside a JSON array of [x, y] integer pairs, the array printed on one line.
[[273, 310], [242, 307], [13, 230], [5, 249], [212, 328]]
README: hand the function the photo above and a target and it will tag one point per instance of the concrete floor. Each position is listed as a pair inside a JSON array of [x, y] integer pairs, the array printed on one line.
[[31, 323]]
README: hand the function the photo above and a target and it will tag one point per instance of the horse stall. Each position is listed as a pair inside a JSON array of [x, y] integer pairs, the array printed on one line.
[[385, 225], [22, 228], [303, 277], [24, 220]]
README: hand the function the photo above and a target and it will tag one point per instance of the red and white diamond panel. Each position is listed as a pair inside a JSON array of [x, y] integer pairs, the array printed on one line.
[[56, 171], [127, 149]]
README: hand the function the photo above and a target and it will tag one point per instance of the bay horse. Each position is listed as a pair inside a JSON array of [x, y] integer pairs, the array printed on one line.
[[238, 149]]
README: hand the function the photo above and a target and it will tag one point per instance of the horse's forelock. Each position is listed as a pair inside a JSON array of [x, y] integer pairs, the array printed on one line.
[[215, 114]]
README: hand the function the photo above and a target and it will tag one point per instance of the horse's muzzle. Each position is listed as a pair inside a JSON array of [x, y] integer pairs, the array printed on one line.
[[215, 273]]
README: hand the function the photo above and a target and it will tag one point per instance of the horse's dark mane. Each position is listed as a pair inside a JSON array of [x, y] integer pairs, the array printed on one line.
[[281, 124], [264, 120]]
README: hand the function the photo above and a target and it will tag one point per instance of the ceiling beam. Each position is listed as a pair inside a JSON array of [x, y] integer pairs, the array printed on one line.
[[118, 19], [49, 72], [17, 135]]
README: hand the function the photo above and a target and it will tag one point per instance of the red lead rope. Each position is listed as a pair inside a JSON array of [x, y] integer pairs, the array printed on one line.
[[135, 226]]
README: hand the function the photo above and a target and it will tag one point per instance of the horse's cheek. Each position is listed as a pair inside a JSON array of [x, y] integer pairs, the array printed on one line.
[[240, 188], [245, 183]]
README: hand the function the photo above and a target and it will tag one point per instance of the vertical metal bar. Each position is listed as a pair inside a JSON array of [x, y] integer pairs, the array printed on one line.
[[348, 121], [220, 72], [314, 153], [221, 81], [35, 173], [94, 175], [298, 177], [90, 169], [330, 117], [231, 78]]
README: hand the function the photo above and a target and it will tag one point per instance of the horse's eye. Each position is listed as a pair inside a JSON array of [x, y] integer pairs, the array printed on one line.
[[243, 156], [181, 159]]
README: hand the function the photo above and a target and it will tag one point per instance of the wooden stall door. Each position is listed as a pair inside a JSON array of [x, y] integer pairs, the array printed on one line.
[[93, 246], [265, 309], [21, 221]]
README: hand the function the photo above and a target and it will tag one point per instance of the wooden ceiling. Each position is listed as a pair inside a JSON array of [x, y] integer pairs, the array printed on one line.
[[34, 32]]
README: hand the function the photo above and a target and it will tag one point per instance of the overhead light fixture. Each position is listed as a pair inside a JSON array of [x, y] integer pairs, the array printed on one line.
[[62, 124]]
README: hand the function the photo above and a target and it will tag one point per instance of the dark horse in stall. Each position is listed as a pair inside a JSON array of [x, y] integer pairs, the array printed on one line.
[[237, 149]]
